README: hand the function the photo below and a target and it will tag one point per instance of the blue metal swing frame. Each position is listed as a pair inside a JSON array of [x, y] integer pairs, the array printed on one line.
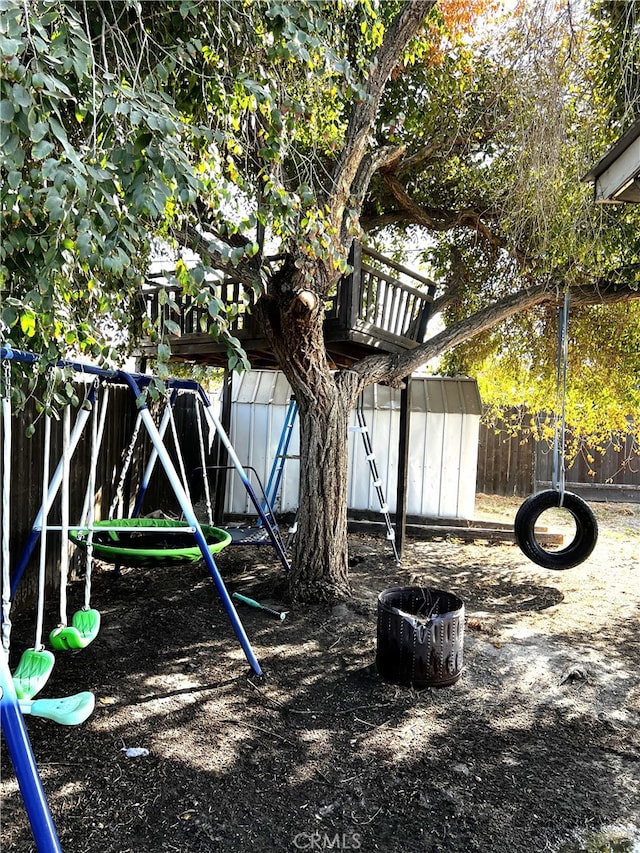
[[11, 717]]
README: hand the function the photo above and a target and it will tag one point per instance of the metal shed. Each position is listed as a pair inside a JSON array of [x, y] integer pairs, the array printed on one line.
[[443, 444]]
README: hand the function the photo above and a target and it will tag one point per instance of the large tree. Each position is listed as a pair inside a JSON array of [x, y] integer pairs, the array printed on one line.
[[228, 126], [514, 210]]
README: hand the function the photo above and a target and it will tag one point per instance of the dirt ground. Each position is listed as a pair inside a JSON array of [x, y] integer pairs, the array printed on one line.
[[535, 748]]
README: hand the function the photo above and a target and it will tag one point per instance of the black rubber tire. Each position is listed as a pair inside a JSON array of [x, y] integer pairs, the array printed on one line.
[[583, 542]]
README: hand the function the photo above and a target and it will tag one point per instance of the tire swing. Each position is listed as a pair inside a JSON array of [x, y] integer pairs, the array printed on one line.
[[586, 534]]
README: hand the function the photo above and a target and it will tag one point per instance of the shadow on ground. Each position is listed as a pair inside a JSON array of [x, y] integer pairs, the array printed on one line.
[[524, 752]]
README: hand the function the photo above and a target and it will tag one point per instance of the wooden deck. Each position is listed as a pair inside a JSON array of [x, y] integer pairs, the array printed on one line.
[[380, 306]]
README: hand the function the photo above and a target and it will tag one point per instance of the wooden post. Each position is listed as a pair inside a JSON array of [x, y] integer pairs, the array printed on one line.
[[425, 315], [350, 289], [403, 465], [222, 458]]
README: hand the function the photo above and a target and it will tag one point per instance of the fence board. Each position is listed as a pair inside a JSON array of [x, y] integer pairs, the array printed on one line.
[[26, 477], [517, 465]]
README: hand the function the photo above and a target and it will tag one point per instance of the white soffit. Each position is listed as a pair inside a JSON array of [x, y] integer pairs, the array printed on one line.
[[616, 177]]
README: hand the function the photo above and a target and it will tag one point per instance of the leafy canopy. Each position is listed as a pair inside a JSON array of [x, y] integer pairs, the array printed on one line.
[[220, 124], [498, 137], [121, 122]]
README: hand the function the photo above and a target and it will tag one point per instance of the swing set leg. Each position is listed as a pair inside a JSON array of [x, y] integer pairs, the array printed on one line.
[[24, 764]]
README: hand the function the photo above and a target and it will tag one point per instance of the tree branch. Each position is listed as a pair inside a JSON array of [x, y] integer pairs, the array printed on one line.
[[382, 157], [431, 149], [438, 219], [392, 369], [245, 271], [363, 115]]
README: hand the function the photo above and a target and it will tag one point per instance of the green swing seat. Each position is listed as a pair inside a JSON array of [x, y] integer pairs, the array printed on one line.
[[84, 628], [68, 711], [33, 671], [146, 542]]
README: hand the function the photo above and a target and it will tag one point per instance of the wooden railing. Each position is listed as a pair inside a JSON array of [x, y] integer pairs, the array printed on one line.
[[192, 315], [373, 299]]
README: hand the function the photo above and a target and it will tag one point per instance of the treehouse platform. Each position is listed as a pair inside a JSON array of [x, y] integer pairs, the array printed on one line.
[[381, 306]]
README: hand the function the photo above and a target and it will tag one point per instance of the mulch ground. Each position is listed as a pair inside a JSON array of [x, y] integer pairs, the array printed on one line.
[[535, 748]]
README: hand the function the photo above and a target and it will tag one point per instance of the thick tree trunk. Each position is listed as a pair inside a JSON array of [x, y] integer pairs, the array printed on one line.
[[320, 559], [292, 315]]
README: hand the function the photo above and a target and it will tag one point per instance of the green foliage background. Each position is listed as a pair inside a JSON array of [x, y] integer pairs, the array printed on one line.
[[122, 123]]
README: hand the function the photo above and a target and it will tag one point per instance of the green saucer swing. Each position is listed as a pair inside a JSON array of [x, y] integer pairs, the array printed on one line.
[[148, 542]]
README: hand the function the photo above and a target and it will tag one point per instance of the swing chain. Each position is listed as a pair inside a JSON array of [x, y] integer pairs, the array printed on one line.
[[558, 470], [6, 380], [6, 482]]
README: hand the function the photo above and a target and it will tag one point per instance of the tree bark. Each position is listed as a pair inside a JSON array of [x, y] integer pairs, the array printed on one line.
[[292, 314], [363, 114], [320, 559]]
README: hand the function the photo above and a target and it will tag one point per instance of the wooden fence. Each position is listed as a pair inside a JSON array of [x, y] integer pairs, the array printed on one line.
[[27, 474], [517, 465]]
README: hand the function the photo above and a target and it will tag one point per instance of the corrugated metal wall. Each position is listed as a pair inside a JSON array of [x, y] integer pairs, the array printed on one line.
[[443, 444], [259, 406]]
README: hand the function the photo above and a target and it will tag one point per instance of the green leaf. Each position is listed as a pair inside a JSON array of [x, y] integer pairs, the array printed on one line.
[[142, 140], [9, 142], [9, 315], [84, 244], [197, 274], [42, 149], [52, 201], [28, 323], [21, 96], [7, 110], [10, 47], [56, 207], [58, 130], [39, 131]]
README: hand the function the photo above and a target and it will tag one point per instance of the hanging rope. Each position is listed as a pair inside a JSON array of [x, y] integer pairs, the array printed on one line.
[[176, 444], [151, 463], [64, 512], [98, 420], [6, 503], [203, 462], [85, 623], [117, 498], [42, 565], [558, 470], [36, 664]]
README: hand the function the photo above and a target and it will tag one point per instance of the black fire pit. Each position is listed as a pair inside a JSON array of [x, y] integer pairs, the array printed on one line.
[[420, 636]]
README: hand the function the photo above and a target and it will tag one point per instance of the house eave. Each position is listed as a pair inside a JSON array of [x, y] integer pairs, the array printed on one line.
[[616, 176]]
